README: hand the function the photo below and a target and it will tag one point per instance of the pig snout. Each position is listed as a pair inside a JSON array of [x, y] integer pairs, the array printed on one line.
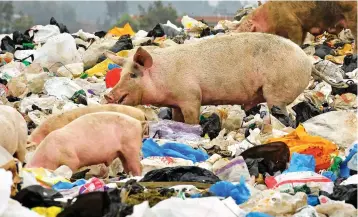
[[109, 98]]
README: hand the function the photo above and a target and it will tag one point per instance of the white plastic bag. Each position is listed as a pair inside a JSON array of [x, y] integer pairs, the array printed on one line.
[[342, 123], [43, 33], [233, 170], [153, 163], [91, 55], [61, 87], [58, 49]]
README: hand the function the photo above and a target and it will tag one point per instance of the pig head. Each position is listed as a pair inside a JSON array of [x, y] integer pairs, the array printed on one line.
[[135, 78], [293, 19]]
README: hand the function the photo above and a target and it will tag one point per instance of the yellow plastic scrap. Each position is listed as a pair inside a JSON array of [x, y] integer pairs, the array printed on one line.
[[301, 142], [335, 59], [45, 177], [346, 49], [52, 211], [101, 68], [126, 30]]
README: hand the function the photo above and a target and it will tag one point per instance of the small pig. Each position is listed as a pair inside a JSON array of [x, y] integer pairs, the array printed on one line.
[[241, 68], [92, 139], [293, 19], [57, 121], [13, 132]]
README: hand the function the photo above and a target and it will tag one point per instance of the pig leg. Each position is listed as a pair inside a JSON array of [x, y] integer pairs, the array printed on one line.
[[191, 113], [178, 115], [20, 153]]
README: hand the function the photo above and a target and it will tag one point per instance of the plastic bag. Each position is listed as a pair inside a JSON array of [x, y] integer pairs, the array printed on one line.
[[199, 207], [331, 70], [287, 181], [240, 193], [61, 88], [233, 170], [211, 126], [71, 70], [345, 101], [306, 211], [181, 174], [304, 111], [275, 203], [153, 163], [275, 157], [301, 142], [335, 208], [124, 43], [126, 30], [91, 55], [43, 33], [342, 123], [45, 177], [349, 63], [175, 130], [301, 162], [60, 48], [151, 148], [346, 193]]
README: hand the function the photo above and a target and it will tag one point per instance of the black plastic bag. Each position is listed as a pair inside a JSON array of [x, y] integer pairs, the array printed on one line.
[[181, 174], [100, 34], [116, 208], [285, 120], [254, 110], [123, 43], [165, 113], [62, 27], [157, 31], [20, 38], [211, 126], [347, 193], [323, 50], [349, 63], [205, 32], [169, 31], [352, 88], [133, 187], [304, 111], [275, 156], [253, 166], [7, 44], [36, 195]]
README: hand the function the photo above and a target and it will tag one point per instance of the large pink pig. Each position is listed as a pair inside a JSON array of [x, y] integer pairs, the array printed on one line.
[[243, 68], [13, 132], [92, 139]]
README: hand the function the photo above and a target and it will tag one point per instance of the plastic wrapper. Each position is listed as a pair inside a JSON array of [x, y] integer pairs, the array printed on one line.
[[61, 88]]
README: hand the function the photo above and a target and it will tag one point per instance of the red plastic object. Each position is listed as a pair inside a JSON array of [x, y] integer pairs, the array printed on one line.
[[112, 77]]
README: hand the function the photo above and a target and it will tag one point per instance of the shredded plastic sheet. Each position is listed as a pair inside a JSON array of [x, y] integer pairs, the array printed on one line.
[[126, 30]]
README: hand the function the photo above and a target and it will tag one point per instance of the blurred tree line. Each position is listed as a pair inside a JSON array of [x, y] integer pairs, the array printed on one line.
[[39, 13]]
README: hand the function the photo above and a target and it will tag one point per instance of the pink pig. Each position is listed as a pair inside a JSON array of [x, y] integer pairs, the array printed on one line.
[[92, 139], [13, 132], [244, 68]]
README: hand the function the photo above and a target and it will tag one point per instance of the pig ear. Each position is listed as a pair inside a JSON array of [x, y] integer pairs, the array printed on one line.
[[143, 58], [116, 59]]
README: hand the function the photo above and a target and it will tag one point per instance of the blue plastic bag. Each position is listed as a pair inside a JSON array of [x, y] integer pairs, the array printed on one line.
[[240, 193], [330, 175], [312, 200], [257, 214], [177, 150], [67, 185], [112, 66], [344, 170], [301, 162]]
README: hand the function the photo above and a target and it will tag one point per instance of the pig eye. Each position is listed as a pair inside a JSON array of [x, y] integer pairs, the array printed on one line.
[[133, 75]]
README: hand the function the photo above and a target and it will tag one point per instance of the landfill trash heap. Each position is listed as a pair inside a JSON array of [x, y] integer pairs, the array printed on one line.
[[66, 152]]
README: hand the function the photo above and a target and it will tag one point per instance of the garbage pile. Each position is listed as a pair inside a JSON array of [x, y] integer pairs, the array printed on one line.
[[232, 164]]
